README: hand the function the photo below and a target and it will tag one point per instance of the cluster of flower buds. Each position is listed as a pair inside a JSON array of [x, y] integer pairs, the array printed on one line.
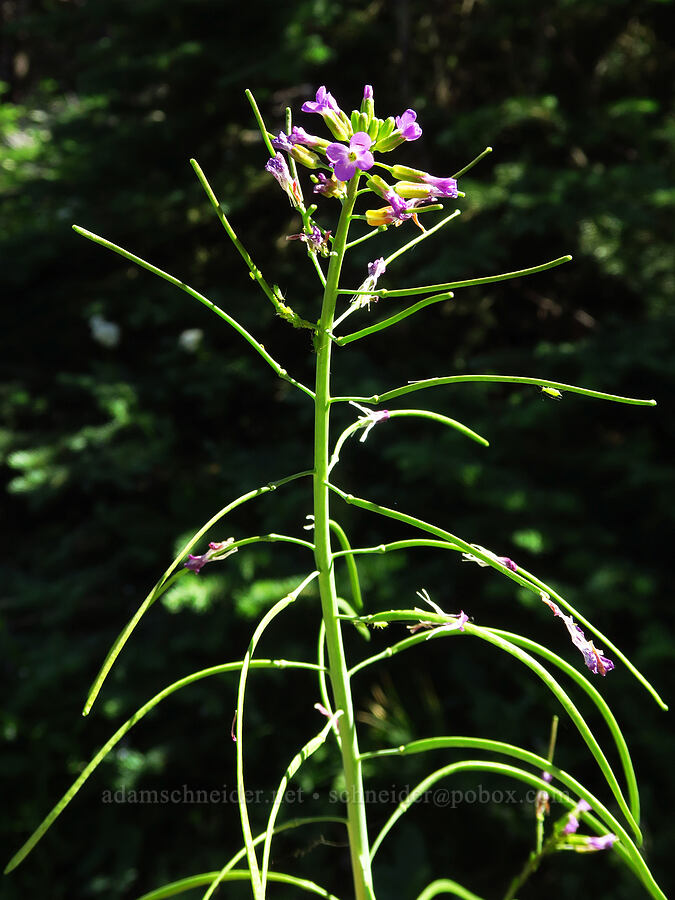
[[358, 138]]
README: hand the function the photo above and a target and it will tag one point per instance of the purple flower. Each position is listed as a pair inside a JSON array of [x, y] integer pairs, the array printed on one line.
[[595, 661], [300, 136], [346, 160], [601, 843], [572, 821], [278, 167], [548, 778], [197, 563], [407, 126], [442, 187], [400, 207], [282, 142], [571, 825], [325, 102]]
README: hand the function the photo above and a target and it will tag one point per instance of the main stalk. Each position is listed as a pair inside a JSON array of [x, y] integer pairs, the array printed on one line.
[[356, 815]]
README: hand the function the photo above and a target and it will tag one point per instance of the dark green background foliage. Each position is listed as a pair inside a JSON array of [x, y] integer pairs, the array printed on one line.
[[112, 455]]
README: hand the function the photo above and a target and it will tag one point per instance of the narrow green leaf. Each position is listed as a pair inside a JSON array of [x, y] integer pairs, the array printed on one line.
[[425, 383], [280, 606], [293, 823], [446, 886], [195, 881], [123, 729], [162, 584], [308, 750], [257, 346]]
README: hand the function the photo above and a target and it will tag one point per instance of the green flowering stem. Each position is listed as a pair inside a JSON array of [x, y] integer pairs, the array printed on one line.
[[272, 293], [287, 826], [447, 886], [358, 831], [254, 270], [322, 671], [55, 812], [396, 545], [308, 750], [364, 422], [473, 162], [469, 282], [539, 808], [261, 124], [421, 237], [461, 545], [280, 606], [421, 385], [257, 346], [266, 539], [392, 320], [366, 237], [195, 881], [161, 585], [352, 571]]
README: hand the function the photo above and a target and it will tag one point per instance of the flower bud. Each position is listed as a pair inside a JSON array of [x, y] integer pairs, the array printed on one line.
[[379, 185], [386, 128], [338, 125], [367, 104], [389, 143], [373, 128]]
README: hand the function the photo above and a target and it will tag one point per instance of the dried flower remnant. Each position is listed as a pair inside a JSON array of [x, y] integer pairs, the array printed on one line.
[[375, 269], [595, 661], [372, 417], [213, 554], [316, 240], [503, 560], [278, 167], [460, 619]]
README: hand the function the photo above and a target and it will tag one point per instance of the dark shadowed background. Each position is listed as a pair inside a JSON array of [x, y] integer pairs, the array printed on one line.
[[130, 414]]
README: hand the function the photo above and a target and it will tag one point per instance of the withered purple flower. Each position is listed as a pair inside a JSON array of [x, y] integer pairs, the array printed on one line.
[[595, 661], [197, 563], [278, 167]]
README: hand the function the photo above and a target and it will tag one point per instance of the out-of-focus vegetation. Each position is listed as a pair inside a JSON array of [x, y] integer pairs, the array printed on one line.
[[130, 414]]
